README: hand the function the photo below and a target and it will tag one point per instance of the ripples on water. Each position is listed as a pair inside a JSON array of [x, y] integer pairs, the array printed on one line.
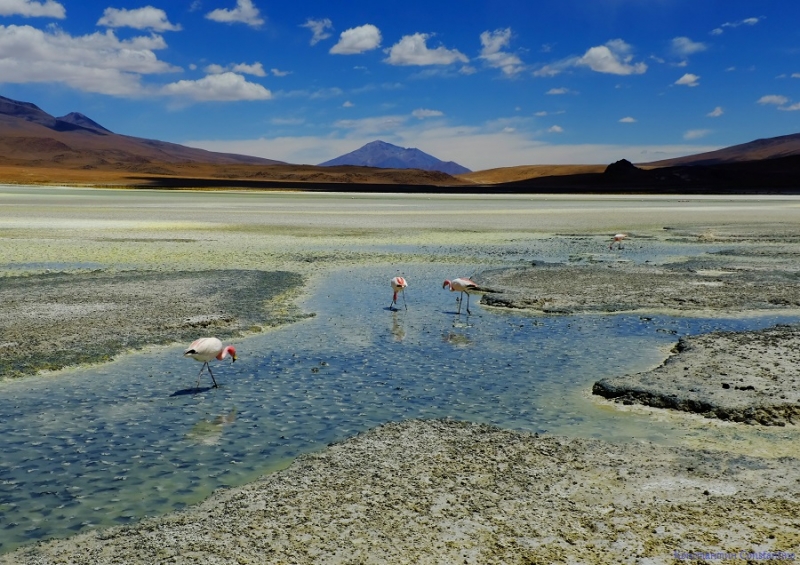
[[111, 444]]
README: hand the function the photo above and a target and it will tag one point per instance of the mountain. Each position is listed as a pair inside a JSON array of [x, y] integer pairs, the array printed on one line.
[[387, 156], [770, 148], [32, 137]]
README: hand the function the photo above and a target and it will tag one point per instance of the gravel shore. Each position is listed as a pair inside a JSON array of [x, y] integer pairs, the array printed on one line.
[[450, 492], [50, 321]]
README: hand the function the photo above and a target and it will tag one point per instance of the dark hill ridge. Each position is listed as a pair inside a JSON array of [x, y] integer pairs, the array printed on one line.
[[387, 156], [30, 136], [759, 149]]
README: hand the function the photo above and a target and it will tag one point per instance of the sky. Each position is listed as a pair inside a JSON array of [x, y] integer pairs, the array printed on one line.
[[484, 83]]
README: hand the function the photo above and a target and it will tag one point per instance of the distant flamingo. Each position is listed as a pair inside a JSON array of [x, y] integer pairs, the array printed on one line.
[[462, 285], [618, 240], [399, 284], [205, 349]]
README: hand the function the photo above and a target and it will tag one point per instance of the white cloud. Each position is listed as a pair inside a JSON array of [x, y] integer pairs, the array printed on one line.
[[319, 29], [613, 58], [98, 62], [688, 80], [775, 99], [696, 133], [32, 9], [347, 104], [422, 113], [244, 12], [795, 75], [557, 91], [142, 18], [256, 69], [555, 129], [280, 73], [716, 112], [412, 50], [746, 21], [357, 40], [627, 120], [683, 46], [492, 52], [224, 87]]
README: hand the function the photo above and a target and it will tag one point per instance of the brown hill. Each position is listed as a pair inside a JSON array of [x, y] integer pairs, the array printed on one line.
[[770, 148], [522, 172], [38, 148]]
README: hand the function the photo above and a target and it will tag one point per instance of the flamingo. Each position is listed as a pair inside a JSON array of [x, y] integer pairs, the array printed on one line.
[[618, 240], [462, 285], [399, 284], [205, 349]]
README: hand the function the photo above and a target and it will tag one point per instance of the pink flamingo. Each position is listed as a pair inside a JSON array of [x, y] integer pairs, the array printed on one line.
[[399, 284], [205, 349], [462, 285], [618, 240]]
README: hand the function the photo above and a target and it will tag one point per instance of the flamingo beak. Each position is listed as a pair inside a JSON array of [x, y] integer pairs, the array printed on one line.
[[234, 358]]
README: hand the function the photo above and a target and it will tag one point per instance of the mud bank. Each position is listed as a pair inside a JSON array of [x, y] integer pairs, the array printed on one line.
[[50, 321], [450, 492]]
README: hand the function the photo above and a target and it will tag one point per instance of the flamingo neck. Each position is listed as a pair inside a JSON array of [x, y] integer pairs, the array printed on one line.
[[227, 351]]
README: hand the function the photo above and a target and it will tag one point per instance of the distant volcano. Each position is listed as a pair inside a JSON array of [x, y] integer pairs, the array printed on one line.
[[387, 156]]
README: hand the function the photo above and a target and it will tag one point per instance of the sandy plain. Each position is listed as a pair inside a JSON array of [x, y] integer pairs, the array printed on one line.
[[440, 491]]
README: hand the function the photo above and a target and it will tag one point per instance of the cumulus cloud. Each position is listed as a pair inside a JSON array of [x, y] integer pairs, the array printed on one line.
[[779, 101], [683, 46], [32, 9], [280, 73], [357, 40], [716, 112], [557, 91], [613, 58], [141, 18], [775, 99], [422, 113], [747, 21], [688, 80], [224, 87], [319, 29], [256, 69], [244, 12], [627, 120], [555, 129], [696, 133], [98, 62], [413, 50], [492, 52]]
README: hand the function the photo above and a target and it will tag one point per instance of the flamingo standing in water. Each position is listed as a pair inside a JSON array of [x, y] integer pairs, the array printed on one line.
[[399, 284], [618, 240], [462, 285], [204, 350]]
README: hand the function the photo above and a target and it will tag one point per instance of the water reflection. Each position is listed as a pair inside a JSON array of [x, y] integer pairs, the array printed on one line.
[[110, 444]]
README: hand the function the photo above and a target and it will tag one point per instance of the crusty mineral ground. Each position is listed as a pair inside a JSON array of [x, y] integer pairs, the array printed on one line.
[[449, 492], [750, 377], [49, 321]]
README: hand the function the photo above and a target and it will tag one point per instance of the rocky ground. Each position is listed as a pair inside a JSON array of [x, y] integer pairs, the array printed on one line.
[[50, 321], [449, 492], [750, 377]]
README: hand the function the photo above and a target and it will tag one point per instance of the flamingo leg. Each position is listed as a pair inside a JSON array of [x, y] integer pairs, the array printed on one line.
[[200, 374], [468, 312], [459, 299], [404, 300], [212, 376]]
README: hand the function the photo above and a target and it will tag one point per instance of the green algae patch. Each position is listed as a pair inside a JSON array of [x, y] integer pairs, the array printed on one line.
[[51, 321]]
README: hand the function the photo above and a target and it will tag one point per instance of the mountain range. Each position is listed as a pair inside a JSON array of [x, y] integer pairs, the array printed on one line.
[[387, 156], [38, 148]]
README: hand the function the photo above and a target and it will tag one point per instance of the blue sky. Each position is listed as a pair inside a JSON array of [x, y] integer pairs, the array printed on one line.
[[484, 83]]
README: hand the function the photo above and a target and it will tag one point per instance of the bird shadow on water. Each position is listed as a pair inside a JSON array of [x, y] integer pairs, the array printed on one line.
[[193, 390]]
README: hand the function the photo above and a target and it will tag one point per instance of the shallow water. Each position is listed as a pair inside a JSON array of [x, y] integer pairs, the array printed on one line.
[[110, 444]]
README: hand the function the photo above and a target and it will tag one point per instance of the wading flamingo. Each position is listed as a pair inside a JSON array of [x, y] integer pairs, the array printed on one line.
[[399, 284], [462, 285], [618, 240], [204, 350]]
